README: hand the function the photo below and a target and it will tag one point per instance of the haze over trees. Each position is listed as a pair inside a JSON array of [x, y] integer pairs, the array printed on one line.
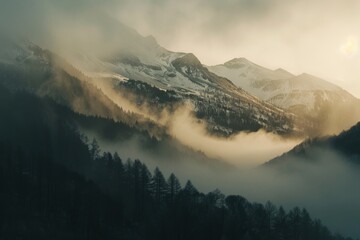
[[55, 186], [109, 134]]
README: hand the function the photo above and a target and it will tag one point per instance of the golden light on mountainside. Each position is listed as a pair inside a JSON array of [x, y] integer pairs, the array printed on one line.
[[350, 47]]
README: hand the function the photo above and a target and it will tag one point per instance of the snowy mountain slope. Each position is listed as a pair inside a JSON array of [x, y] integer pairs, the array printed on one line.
[[26, 67], [276, 86], [191, 81], [142, 59], [304, 95]]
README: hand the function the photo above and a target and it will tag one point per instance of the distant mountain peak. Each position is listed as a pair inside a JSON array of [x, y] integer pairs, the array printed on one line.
[[238, 60], [284, 72], [316, 82], [306, 75], [189, 60], [238, 63]]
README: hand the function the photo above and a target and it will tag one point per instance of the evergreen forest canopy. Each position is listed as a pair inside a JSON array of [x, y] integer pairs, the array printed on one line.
[[53, 185]]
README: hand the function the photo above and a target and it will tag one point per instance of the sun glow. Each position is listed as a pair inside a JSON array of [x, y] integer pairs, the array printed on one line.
[[350, 47]]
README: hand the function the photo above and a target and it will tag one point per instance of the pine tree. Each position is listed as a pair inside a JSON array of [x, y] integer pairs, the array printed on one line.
[[216, 198], [145, 178], [136, 177], [189, 188], [158, 186], [280, 224], [128, 176], [294, 220], [305, 225], [94, 150], [119, 167], [174, 187], [271, 211], [144, 185], [191, 192]]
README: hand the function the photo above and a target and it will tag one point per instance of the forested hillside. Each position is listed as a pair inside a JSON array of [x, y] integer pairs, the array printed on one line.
[[54, 186], [345, 145]]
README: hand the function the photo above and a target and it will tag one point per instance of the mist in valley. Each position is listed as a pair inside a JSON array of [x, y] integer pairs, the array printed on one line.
[[235, 165], [327, 187], [325, 184]]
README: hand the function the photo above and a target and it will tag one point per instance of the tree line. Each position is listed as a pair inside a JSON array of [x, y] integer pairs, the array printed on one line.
[[55, 186]]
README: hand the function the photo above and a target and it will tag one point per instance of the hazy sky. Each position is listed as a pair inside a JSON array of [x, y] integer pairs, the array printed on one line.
[[320, 37]]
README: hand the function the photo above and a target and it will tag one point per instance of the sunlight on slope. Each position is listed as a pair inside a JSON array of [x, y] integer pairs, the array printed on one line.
[[242, 150]]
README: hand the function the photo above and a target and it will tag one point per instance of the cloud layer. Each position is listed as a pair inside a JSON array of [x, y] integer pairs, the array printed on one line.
[[301, 36], [298, 35]]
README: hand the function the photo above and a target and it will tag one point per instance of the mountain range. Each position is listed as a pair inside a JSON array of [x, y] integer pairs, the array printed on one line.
[[86, 95], [232, 97], [315, 99], [248, 96], [185, 78]]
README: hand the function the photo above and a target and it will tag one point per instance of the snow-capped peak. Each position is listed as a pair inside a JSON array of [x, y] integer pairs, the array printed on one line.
[[304, 93]]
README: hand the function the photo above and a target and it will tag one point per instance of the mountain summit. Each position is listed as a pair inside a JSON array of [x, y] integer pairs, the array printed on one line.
[[305, 95], [226, 108]]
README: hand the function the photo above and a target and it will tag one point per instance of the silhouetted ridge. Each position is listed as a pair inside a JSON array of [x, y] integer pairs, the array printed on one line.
[[346, 144]]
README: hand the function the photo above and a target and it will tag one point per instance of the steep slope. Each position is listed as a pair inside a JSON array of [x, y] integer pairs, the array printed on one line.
[[323, 175], [55, 187], [226, 108], [39, 72], [26, 67], [144, 60], [345, 145], [129, 140], [248, 75], [305, 95]]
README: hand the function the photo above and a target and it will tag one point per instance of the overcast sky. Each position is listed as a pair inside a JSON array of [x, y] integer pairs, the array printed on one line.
[[320, 37]]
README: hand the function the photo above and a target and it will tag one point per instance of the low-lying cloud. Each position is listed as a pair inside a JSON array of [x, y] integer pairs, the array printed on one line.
[[325, 184], [242, 149], [267, 33]]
